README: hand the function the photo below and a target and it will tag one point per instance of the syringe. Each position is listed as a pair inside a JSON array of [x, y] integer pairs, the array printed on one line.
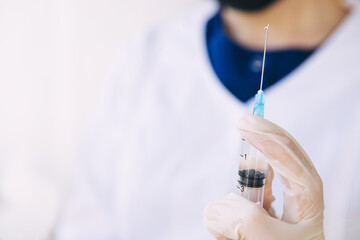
[[253, 166]]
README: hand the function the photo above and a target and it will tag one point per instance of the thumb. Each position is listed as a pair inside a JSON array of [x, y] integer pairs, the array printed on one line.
[[234, 217]]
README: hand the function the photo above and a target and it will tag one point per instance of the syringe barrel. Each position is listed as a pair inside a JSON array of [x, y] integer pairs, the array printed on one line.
[[251, 173]]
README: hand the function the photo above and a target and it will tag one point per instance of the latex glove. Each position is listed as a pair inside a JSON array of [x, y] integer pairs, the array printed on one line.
[[234, 217]]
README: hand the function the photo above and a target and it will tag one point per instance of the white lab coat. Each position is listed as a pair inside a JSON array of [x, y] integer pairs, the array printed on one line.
[[166, 143]]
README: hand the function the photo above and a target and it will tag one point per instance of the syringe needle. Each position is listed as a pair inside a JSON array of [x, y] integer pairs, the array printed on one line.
[[263, 64], [259, 97], [253, 166]]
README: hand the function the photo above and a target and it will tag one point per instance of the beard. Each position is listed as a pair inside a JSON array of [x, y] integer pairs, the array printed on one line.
[[247, 5]]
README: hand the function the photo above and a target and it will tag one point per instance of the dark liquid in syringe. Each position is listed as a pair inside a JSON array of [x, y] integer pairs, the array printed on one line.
[[251, 178]]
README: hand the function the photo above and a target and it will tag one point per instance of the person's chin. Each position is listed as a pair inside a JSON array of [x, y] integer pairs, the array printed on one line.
[[247, 5]]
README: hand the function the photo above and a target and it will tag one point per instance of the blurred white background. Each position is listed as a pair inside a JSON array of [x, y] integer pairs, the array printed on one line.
[[53, 58]]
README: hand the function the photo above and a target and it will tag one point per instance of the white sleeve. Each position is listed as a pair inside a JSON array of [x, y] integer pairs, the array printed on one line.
[[88, 211]]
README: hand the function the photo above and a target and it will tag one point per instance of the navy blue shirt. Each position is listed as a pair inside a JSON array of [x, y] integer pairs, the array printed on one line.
[[239, 69]]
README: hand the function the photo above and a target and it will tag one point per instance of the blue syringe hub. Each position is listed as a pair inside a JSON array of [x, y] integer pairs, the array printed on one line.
[[259, 104]]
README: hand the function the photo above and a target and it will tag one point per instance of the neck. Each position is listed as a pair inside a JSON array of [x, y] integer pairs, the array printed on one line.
[[293, 24]]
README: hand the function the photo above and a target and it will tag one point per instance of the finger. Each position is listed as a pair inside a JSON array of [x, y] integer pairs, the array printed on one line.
[[289, 160], [285, 155], [225, 217], [234, 217], [268, 197]]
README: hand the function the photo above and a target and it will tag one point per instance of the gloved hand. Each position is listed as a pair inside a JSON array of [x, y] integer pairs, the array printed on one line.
[[234, 217]]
